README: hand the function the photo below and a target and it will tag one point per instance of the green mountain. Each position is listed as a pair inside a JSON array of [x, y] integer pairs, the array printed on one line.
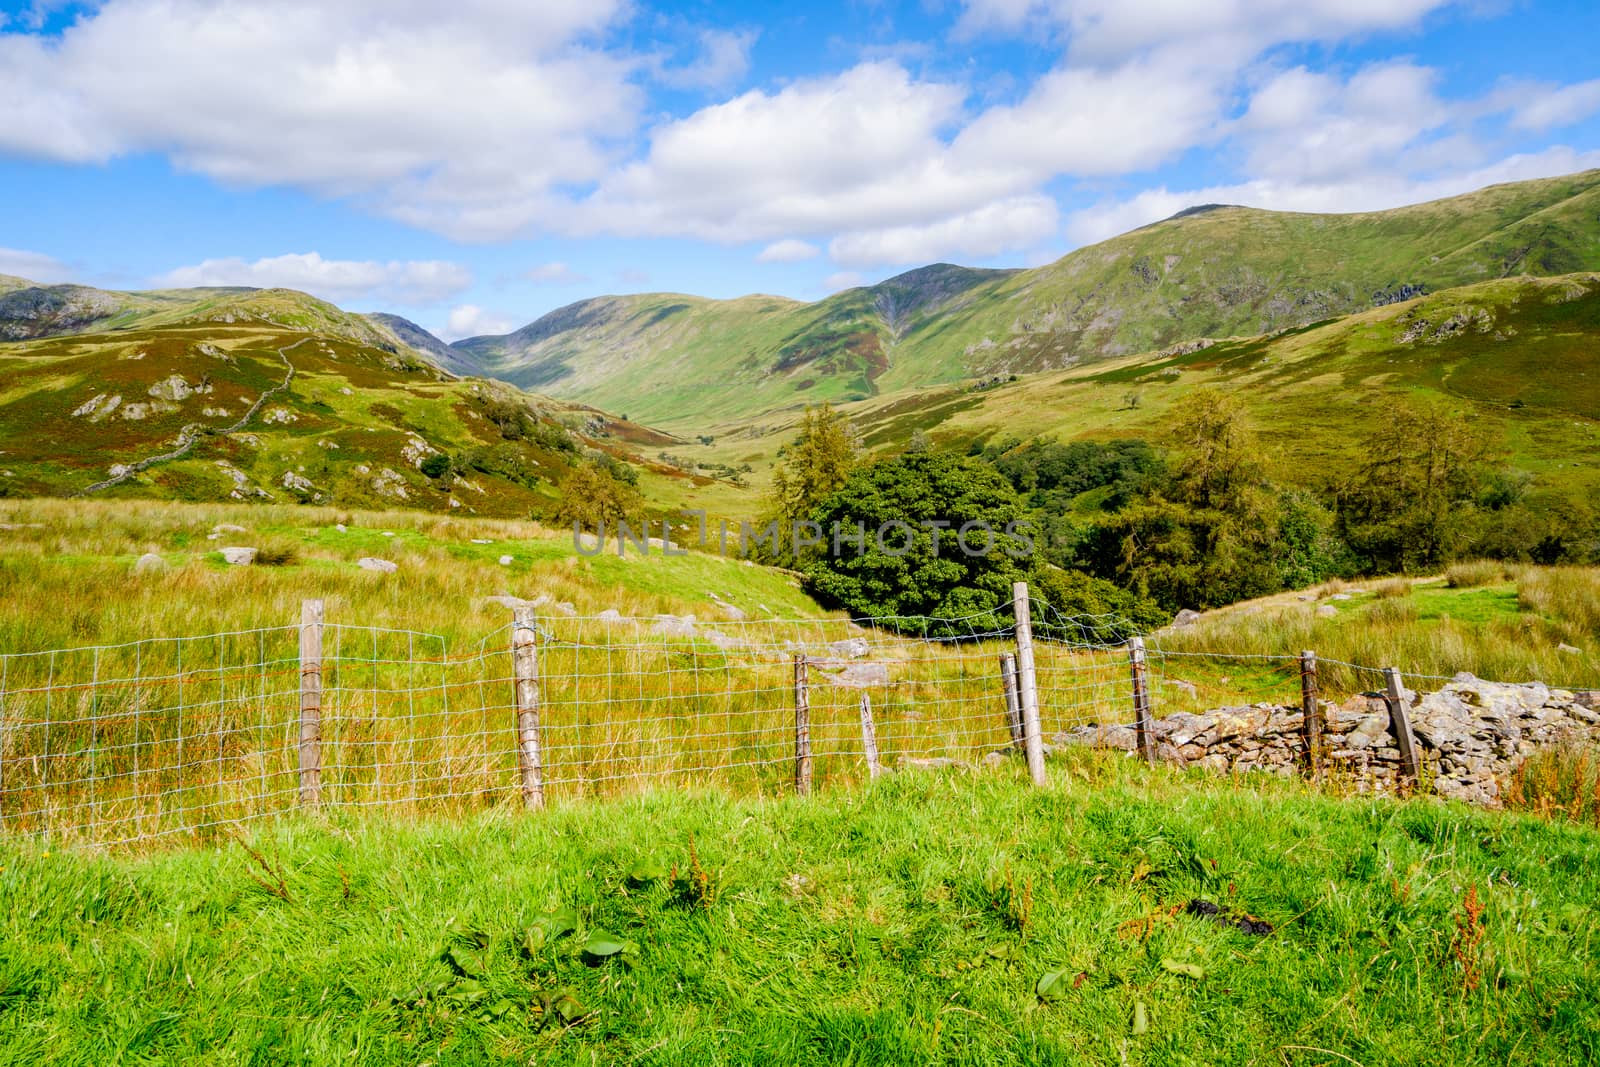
[[1217, 271], [1519, 354], [269, 395]]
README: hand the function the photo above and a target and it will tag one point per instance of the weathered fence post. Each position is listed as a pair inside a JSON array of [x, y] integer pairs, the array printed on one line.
[[1008, 683], [1027, 684], [1141, 700], [311, 702], [802, 727], [869, 737], [525, 669], [1400, 723], [1311, 714]]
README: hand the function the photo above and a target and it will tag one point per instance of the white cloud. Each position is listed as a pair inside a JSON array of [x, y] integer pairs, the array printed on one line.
[[458, 116], [788, 250], [470, 320], [1365, 192], [723, 60], [1546, 107], [33, 266], [556, 273], [396, 281], [987, 231], [1309, 126]]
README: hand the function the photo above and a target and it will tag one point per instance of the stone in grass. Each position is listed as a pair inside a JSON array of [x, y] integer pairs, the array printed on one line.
[[379, 566], [239, 557], [1571, 650], [506, 561], [149, 563]]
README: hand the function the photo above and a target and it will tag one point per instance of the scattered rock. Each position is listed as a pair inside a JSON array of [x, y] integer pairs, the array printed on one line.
[[675, 625], [1186, 688], [1569, 649], [380, 566], [1186, 617], [850, 648], [239, 557], [1341, 596], [482, 541], [610, 615], [506, 561], [936, 763], [1327, 611], [298, 483], [149, 563]]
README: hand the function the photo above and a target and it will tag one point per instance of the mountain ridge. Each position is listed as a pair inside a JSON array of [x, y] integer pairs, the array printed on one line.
[[1210, 270]]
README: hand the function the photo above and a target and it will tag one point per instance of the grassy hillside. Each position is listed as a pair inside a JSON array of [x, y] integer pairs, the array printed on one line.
[[67, 572], [685, 362], [278, 396], [1518, 353], [917, 921]]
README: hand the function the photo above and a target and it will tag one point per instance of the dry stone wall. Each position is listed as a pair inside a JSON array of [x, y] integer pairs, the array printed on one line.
[[1471, 734]]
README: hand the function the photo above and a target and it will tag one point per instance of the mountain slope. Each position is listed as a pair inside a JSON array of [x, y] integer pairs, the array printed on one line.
[[1518, 354], [273, 395], [30, 311], [688, 362]]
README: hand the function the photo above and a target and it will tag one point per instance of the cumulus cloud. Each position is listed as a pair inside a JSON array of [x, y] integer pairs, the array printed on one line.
[[555, 273], [33, 266], [788, 250], [987, 231], [458, 116], [1545, 107], [396, 281], [470, 320]]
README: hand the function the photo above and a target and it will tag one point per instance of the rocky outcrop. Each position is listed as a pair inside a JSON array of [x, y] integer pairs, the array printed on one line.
[[1471, 734]]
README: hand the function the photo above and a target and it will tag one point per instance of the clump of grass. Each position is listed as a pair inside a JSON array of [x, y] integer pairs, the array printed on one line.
[[1392, 612], [1558, 782], [1571, 594], [277, 553], [1473, 573], [1392, 588]]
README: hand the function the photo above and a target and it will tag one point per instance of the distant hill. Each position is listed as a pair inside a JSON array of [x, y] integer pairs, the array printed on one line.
[[1214, 270], [420, 340]]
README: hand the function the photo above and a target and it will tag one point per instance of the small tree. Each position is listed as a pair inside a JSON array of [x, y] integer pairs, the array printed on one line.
[[592, 495], [1410, 505], [815, 465]]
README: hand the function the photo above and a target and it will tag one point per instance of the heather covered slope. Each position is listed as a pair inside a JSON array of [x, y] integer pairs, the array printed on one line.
[[263, 398], [687, 363]]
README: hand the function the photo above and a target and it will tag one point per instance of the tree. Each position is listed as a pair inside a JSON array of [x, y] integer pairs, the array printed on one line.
[[593, 495], [815, 465], [908, 561], [1219, 461], [1410, 505]]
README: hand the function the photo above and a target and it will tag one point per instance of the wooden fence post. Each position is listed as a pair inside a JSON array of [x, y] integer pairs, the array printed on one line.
[[802, 727], [1008, 683], [869, 737], [1027, 684], [1311, 714], [1141, 700], [1400, 723], [311, 702], [525, 669]]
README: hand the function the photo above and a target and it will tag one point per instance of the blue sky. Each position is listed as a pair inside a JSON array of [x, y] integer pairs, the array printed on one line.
[[475, 164]]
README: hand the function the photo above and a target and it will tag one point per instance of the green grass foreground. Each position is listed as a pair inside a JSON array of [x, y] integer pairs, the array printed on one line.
[[907, 923]]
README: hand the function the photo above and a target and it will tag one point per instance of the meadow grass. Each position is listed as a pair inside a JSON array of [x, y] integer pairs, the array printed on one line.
[[1509, 632], [909, 922]]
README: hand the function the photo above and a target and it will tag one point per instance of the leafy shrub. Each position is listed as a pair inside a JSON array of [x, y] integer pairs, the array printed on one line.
[[914, 570], [435, 466], [277, 554]]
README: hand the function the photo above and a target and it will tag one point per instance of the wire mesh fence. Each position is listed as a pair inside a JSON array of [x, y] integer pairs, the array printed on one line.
[[188, 737]]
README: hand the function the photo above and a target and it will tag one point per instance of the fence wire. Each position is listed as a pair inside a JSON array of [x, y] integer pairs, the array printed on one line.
[[186, 738]]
